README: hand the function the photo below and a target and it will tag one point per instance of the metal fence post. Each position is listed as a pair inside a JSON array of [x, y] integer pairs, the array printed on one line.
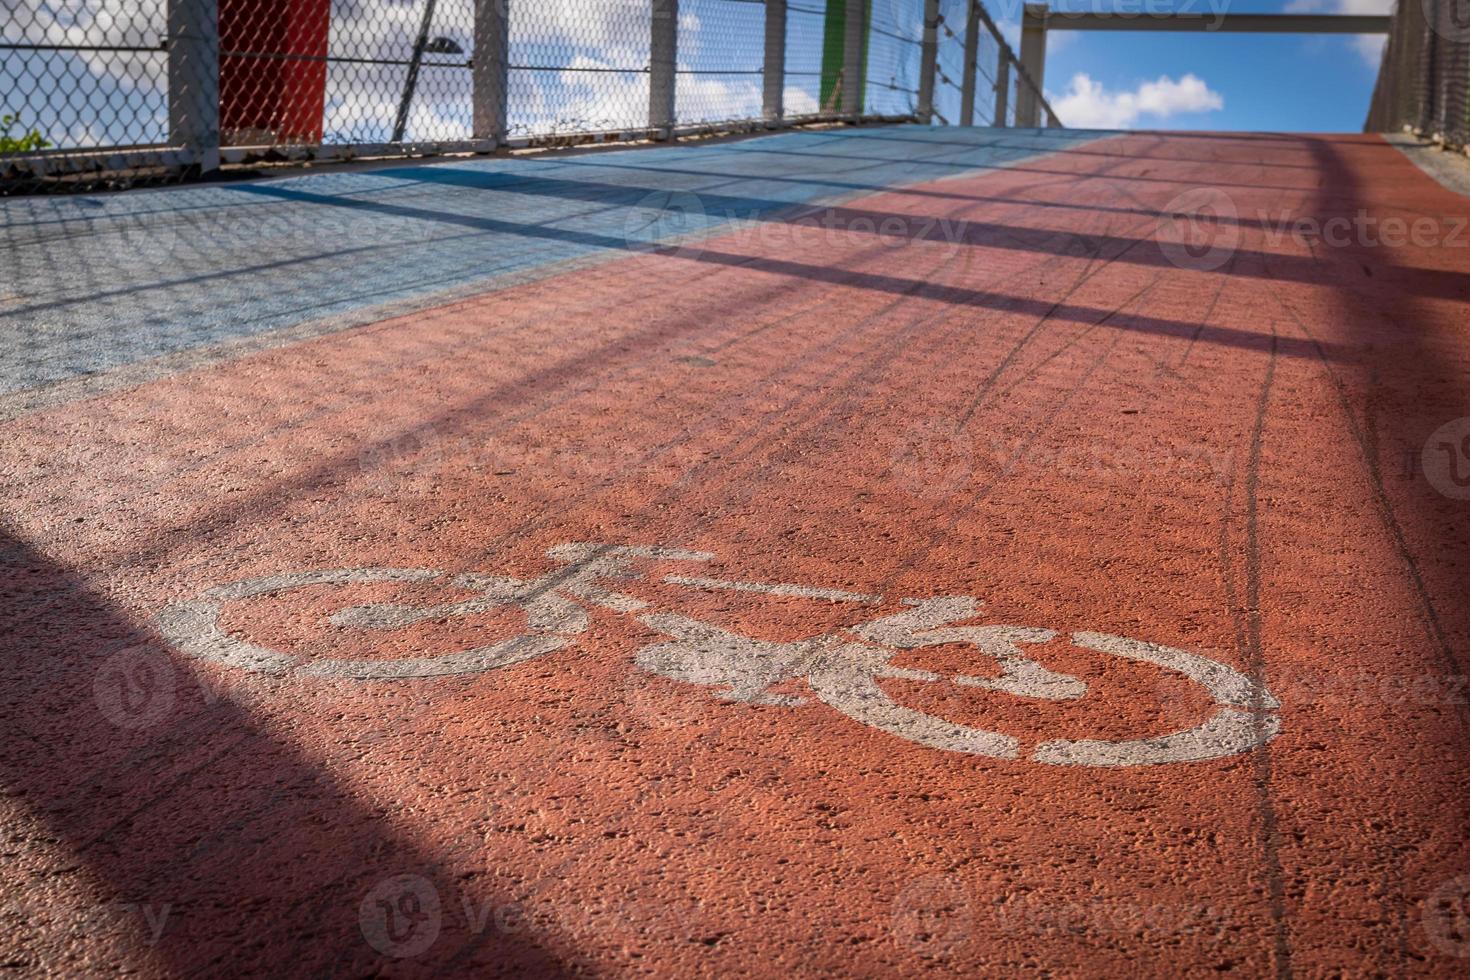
[[662, 62], [1442, 53], [1427, 107], [854, 67], [972, 55], [491, 74], [774, 68], [1033, 61], [1002, 88], [193, 79], [928, 62]]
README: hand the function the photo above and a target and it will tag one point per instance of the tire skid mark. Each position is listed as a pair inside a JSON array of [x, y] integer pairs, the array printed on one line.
[[899, 300], [457, 306], [895, 347], [716, 420], [1429, 614], [1256, 665], [1246, 614], [1055, 409], [835, 409], [1392, 855], [735, 479]]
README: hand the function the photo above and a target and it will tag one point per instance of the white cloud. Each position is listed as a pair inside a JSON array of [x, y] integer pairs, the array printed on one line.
[[703, 99], [1087, 104], [1368, 46], [800, 101]]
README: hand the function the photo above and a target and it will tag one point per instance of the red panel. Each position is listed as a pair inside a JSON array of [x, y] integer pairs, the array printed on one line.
[[273, 73]]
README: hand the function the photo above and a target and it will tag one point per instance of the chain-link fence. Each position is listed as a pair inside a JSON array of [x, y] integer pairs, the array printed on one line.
[[123, 90], [978, 79], [1424, 84]]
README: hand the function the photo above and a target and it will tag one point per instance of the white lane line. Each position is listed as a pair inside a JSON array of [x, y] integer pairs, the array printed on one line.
[[767, 588]]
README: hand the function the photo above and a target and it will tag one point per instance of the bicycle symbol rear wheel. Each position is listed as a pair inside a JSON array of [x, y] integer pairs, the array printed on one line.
[[552, 622]]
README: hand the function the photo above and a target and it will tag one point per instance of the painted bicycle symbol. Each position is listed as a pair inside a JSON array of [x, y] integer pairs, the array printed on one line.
[[843, 669]]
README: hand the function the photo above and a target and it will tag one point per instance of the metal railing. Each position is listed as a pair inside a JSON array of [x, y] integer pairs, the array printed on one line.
[[1424, 83], [977, 76], [114, 91]]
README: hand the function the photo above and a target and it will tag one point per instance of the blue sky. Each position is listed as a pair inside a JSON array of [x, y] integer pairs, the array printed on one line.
[[1295, 83]]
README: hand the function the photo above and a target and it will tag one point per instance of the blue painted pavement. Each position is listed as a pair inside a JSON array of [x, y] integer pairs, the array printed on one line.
[[91, 284]]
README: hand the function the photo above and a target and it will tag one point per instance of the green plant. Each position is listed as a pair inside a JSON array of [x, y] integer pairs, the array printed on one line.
[[24, 143]]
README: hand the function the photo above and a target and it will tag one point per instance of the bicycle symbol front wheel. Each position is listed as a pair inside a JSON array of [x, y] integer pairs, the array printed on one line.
[[1244, 717]]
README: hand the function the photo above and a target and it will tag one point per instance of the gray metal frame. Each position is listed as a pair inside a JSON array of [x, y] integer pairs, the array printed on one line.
[[773, 69], [663, 64], [854, 65], [1033, 63], [1224, 23], [491, 70], [972, 57], [928, 61], [1037, 19], [193, 81]]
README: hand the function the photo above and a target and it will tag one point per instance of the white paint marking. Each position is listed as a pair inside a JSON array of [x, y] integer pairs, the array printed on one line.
[[193, 627], [843, 674], [849, 686], [551, 622], [915, 629], [741, 667], [1229, 686], [773, 588], [1229, 732], [512, 651], [1239, 726]]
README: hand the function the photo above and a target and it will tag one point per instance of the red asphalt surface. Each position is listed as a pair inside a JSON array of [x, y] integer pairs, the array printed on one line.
[[1051, 416]]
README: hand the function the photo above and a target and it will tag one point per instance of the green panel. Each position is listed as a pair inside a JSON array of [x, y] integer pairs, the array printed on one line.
[[833, 47]]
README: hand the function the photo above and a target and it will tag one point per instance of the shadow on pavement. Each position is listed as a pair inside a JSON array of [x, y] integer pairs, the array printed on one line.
[[157, 824]]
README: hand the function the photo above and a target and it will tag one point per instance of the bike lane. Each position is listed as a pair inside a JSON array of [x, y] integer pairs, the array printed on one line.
[[1050, 413]]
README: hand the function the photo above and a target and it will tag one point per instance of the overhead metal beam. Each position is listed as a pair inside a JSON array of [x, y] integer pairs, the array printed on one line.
[[1061, 20], [1038, 19]]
